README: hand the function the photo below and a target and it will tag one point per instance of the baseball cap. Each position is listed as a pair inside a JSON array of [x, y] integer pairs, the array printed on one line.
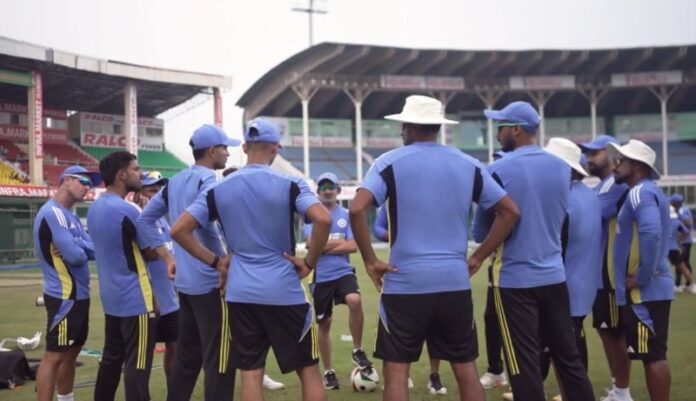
[[79, 170], [153, 178], [209, 135], [328, 177], [260, 130], [676, 198], [517, 112], [599, 143]]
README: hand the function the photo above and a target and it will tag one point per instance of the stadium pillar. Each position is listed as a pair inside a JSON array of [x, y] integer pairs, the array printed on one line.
[[489, 98], [130, 106], [541, 98], [663, 94], [593, 95], [358, 97], [305, 93], [444, 98], [35, 124], [217, 102]]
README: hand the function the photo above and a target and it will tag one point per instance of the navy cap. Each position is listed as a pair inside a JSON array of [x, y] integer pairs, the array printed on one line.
[[328, 177], [599, 143], [260, 130], [517, 112], [79, 170], [209, 135], [676, 198], [153, 178]]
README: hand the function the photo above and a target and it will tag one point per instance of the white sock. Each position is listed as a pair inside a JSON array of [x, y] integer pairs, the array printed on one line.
[[67, 397], [613, 382], [357, 349], [622, 393]]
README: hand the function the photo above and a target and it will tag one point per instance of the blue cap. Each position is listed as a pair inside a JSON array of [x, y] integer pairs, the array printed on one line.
[[260, 130], [676, 198], [328, 177], [79, 170], [209, 135], [517, 112], [153, 178], [498, 154], [599, 143]]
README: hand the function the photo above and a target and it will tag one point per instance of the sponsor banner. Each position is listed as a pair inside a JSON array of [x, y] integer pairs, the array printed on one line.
[[314, 141], [417, 82], [119, 119], [13, 108], [18, 133], [38, 115], [647, 79], [382, 142], [548, 82], [131, 128], [119, 141], [337, 142], [31, 191]]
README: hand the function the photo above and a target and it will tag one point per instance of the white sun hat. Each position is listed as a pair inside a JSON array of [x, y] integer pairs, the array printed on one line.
[[635, 150], [422, 110], [567, 151]]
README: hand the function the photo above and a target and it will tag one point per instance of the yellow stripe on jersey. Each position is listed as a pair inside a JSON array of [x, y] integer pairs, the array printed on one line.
[[513, 367], [610, 253], [143, 278], [224, 337], [66, 283], [497, 265], [633, 263]]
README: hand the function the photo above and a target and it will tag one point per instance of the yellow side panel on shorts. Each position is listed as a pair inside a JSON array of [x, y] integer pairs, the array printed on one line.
[[143, 278], [62, 270], [497, 265], [633, 263], [610, 252]]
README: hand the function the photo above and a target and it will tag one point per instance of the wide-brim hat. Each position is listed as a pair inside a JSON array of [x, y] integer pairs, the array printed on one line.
[[567, 151], [635, 150], [422, 110]]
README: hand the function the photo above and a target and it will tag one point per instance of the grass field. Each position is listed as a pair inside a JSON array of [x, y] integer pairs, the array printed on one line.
[[20, 317]]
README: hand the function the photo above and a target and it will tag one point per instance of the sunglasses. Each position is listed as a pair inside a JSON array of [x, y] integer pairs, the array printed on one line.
[[327, 187], [502, 125], [84, 181]]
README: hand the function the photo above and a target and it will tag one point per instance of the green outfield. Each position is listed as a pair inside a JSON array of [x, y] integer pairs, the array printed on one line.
[[20, 317]]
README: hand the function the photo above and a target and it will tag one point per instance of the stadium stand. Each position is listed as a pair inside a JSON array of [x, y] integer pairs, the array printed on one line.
[[69, 154], [164, 162], [9, 175]]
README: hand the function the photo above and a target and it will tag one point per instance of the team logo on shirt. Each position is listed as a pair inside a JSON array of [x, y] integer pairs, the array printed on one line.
[[342, 223]]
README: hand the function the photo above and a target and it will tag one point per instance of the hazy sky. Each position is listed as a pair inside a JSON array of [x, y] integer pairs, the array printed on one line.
[[246, 39]]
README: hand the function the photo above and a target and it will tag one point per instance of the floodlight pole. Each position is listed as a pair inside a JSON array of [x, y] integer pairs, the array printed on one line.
[[310, 10]]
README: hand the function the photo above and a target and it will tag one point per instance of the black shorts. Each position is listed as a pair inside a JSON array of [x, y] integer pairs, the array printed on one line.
[[646, 327], [67, 324], [167, 327], [444, 319], [605, 312], [327, 294], [675, 257], [289, 329]]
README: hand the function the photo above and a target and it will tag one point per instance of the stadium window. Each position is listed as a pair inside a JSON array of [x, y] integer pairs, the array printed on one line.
[[4, 118], [14, 119], [117, 129]]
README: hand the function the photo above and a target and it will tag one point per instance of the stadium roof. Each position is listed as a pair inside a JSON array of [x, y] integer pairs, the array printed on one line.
[[75, 82], [332, 67]]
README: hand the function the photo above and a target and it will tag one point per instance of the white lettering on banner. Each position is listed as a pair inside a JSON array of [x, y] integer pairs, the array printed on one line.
[[112, 118], [313, 141], [383, 142], [20, 134], [119, 141], [38, 116], [22, 109], [30, 191], [403, 82], [336, 142], [445, 83]]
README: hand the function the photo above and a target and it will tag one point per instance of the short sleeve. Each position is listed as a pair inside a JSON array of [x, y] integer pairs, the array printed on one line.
[[305, 197], [132, 212], [307, 231], [199, 209], [490, 192], [374, 183]]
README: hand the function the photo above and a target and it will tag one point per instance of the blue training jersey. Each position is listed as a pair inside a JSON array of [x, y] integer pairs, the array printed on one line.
[[332, 267], [124, 285], [381, 225], [63, 248], [193, 277], [611, 196], [642, 246], [539, 183], [583, 252], [428, 190], [685, 214], [256, 207]]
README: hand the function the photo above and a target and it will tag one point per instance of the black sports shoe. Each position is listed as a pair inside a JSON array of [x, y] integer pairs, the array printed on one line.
[[360, 359], [435, 385], [330, 380]]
